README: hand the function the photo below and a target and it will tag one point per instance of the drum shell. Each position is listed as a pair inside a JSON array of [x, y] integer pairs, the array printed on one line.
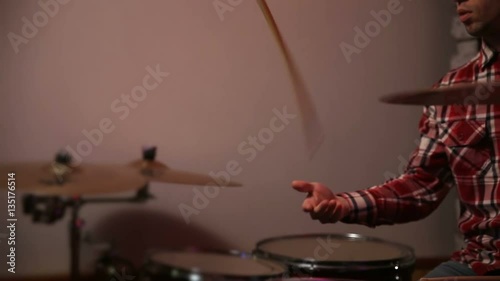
[[388, 270], [365, 273], [153, 271]]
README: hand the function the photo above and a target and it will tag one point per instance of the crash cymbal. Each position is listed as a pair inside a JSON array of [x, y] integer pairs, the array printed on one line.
[[159, 172], [153, 170], [57, 179], [464, 94]]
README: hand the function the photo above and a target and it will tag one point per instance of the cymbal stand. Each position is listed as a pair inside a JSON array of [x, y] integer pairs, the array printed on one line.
[[76, 223]]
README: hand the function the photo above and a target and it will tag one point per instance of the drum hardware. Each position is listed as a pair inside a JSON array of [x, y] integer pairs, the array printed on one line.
[[52, 188], [110, 265], [50, 209], [354, 256], [209, 265], [217, 265], [49, 184], [47, 209]]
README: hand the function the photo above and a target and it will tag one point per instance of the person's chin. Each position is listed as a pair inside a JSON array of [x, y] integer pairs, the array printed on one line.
[[474, 29]]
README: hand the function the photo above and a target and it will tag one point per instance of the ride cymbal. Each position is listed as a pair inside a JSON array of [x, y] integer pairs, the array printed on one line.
[[464, 94]]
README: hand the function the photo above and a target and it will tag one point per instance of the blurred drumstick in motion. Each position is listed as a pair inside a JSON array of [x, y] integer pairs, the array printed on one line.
[[312, 127]]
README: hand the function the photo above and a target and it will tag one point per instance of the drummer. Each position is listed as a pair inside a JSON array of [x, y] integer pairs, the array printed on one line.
[[459, 145]]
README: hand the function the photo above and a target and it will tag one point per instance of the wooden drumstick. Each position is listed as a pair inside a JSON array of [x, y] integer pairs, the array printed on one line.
[[312, 127]]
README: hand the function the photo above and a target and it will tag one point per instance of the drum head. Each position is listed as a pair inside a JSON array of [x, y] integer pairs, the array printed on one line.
[[217, 264], [334, 249]]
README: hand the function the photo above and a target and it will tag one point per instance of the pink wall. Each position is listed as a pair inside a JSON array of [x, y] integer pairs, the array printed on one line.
[[226, 77]]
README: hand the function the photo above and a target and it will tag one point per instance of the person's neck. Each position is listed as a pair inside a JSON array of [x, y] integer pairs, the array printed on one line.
[[491, 36], [493, 42]]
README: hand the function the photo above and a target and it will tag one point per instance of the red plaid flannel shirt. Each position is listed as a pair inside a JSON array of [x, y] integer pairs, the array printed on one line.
[[459, 146]]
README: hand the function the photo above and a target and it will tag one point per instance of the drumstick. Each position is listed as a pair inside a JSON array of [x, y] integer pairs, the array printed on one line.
[[312, 127]]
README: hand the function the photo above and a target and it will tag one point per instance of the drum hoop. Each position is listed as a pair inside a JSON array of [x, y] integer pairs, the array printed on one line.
[[183, 272], [405, 261]]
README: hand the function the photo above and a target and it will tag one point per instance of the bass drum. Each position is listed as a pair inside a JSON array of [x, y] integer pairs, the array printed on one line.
[[209, 266], [350, 256]]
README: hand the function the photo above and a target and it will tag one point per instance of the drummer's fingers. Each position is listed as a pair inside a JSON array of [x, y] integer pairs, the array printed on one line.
[[318, 211], [321, 207], [308, 205], [303, 186]]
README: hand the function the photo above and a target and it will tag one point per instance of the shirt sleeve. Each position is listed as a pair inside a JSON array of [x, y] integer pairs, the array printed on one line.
[[415, 194]]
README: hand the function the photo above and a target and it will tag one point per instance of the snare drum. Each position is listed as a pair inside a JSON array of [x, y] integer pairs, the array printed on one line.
[[348, 256], [209, 266]]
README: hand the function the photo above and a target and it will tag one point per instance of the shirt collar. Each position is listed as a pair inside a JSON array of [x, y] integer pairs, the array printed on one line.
[[488, 55]]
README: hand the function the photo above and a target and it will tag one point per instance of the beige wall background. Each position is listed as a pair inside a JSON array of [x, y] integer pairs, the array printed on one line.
[[226, 77]]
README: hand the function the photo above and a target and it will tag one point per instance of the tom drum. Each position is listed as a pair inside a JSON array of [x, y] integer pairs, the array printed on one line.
[[349, 256]]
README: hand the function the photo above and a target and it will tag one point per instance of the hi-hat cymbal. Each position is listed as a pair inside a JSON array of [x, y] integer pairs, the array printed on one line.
[[44, 178], [464, 94], [159, 172]]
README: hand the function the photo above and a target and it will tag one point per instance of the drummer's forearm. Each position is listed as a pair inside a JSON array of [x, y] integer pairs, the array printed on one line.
[[409, 198], [415, 194], [423, 193]]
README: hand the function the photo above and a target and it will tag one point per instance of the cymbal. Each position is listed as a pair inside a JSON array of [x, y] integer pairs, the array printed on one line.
[[159, 172], [464, 94], [44, 178]]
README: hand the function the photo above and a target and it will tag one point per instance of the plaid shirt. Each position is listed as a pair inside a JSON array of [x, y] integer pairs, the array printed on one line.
[[459, 146]]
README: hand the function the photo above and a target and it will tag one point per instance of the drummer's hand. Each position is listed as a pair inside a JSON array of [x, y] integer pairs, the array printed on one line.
[[321, 203]]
